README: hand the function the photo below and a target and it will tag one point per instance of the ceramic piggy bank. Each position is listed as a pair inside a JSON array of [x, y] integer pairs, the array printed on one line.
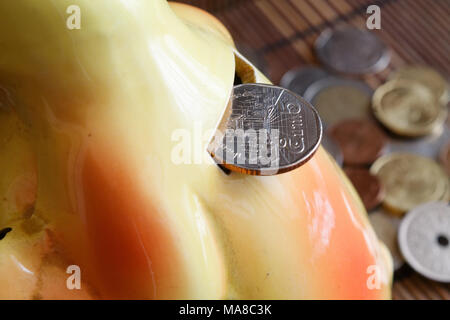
[[93, 201]]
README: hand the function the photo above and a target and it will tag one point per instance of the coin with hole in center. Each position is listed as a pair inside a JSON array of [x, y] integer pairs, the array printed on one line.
[[361, 141], [424, 240], [265, 130]]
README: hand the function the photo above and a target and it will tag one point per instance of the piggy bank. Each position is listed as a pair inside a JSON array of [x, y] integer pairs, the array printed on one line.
[[107, 190]]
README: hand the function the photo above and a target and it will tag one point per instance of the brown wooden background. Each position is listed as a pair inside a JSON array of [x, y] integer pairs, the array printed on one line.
[[279, 34]]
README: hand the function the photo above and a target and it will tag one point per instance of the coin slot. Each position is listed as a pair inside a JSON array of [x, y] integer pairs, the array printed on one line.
[[442, 240], [244, 70], [4, 232], [237, 79], [225, 170], [244, 73]]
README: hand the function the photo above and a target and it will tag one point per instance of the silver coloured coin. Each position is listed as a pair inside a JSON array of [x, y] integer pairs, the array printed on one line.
[[265, 130], [338, 99], [428, 146], [386, 227], [351, 50], [333, 149], [298, 80], [424, 237]]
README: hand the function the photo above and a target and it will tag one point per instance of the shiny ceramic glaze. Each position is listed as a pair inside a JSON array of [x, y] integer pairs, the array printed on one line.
[[87, 178]]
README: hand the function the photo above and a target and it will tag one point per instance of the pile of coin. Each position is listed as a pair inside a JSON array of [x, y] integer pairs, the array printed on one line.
[[393, 143]]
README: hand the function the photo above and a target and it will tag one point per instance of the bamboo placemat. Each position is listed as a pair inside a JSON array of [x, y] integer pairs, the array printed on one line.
[[282, 33]]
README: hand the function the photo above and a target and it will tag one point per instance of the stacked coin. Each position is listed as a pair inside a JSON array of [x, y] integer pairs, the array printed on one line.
[[389, 141], [412, 105]]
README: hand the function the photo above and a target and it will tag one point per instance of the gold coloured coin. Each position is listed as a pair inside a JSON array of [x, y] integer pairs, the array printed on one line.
[[410, 180], [337, 99], [408, 108], [427, 77]]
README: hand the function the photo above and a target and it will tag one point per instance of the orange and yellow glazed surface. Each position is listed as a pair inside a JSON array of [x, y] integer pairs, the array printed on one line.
[[87, 177]]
